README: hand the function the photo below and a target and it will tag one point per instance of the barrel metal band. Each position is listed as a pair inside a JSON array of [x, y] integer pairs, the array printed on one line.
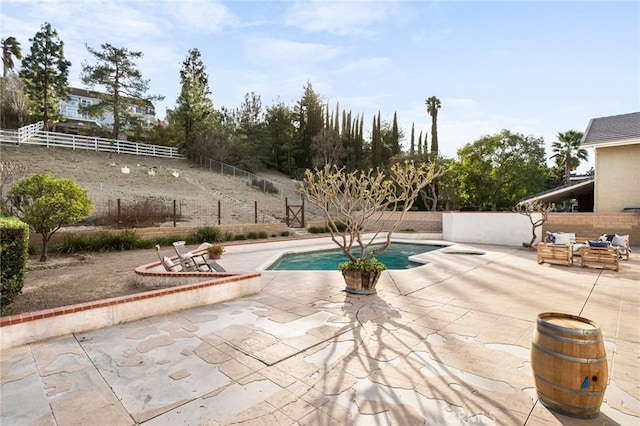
[[569, 410], [561, 329], [569, 339], [567, 390], [570, 358]]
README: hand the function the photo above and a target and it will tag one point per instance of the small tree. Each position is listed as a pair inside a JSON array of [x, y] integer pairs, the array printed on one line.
[[47, 203], [356, 200], [530, 209]]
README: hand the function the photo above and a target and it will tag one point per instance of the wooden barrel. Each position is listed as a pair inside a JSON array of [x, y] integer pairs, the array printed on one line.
[[569, 364]]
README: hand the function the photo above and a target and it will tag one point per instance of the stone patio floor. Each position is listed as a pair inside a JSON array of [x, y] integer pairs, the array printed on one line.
[[445, 343]]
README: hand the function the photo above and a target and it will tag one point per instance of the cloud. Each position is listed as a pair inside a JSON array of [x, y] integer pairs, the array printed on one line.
[[353, 18], [201, 15], [378, 64], [288, 52]]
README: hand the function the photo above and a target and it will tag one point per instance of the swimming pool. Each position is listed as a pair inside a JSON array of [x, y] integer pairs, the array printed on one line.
[[395, 257]]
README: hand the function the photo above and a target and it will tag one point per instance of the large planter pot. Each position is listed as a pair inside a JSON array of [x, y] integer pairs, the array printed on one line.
[[361, 282], [214, 256]]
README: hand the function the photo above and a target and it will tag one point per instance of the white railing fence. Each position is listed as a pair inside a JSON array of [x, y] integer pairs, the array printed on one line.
[[34, 135], [27, 132]]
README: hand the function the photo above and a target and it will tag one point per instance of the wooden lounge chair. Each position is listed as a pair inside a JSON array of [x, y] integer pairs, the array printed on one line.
[[187, 264]]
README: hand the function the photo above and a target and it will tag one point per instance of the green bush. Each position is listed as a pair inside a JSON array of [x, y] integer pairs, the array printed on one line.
[[252, 235], [263, 234], [370, 264], [209, 234], [14, 246], [318, 229], [103, 241], [285, 233], [341, 226], [239, 237]]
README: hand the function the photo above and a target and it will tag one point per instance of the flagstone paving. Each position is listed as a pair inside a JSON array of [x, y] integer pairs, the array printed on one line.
[[445, 343]]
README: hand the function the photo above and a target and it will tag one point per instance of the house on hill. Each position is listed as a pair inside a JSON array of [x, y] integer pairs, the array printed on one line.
[[70, 110]]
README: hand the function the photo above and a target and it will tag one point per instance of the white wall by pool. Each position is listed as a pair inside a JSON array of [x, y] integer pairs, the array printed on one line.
[[509, 229]]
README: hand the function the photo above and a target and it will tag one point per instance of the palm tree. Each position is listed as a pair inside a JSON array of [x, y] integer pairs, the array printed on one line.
[[433, 105], [10, 48], [567, 152]]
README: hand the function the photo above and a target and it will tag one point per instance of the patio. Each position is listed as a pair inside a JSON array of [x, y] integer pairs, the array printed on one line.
[[447, 342]]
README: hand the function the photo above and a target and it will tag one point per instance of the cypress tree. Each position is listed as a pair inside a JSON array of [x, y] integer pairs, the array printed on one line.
[[412, 147], [395, 136]]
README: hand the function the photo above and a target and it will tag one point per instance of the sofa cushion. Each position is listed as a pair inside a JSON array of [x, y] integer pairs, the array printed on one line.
[[620, 240], [598, 243], [564, 239]]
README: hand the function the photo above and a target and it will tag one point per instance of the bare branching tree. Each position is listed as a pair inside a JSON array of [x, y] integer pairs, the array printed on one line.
[[9, 171], [363, 199], [531, 209]]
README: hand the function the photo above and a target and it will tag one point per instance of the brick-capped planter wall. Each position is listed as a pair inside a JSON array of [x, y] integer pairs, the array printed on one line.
[[28, 327]]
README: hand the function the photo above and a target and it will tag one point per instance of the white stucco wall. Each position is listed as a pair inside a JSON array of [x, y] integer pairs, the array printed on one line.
[[510, 229], [617, 178]]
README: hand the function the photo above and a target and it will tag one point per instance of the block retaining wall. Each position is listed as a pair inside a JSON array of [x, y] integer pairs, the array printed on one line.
[[592, 225]]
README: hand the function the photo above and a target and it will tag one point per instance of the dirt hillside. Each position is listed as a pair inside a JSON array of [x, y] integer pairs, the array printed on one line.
[[196, 190]]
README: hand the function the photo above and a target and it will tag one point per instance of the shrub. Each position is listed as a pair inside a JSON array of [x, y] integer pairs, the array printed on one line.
[[285, 233], [14, 244], [318, 229], [103, 241], [252, 235], [140, 213], [209, 234], [239, 237], [265, 185], [341, 226], [75, 243], [263, 234]]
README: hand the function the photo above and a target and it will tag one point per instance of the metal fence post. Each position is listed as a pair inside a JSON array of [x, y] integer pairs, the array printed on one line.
[[118, 215], [219, 210], [174, 213], [255, 208]]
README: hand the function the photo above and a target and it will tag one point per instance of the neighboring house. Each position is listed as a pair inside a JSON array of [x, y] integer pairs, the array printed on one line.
[[616, 184], [70, 111], [616, 141]]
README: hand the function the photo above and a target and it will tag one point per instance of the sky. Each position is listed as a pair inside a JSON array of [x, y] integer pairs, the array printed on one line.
[[536, 68]]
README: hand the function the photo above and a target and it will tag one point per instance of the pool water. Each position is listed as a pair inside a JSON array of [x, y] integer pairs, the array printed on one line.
[[395, 257]]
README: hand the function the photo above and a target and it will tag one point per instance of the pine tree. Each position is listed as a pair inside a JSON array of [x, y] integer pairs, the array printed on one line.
[[45, 72], [118, 73], [420, 144], [194, 106]]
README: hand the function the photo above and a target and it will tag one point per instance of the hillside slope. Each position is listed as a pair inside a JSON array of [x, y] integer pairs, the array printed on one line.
[[196, 190]]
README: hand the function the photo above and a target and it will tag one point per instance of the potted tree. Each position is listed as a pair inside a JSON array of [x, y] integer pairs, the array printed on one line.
[[361, 207], [215, 251]]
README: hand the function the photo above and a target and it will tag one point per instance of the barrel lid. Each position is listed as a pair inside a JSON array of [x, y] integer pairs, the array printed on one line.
[[566, 321]]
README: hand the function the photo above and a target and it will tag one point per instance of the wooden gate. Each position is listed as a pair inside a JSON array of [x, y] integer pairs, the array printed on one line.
[[295, 214]]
